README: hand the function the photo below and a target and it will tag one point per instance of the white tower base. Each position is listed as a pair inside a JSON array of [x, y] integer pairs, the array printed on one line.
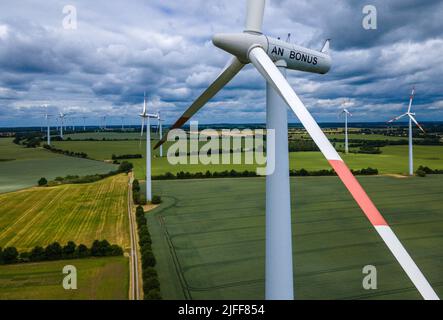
[[148, 161], [279, 271], [411, 159]]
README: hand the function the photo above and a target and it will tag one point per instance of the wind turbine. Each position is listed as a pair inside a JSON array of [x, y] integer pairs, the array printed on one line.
[[84, 123], [72, 124], [346, 113], [145, 117], [104, 122], [411, 119], [271, 57], [62, 122], [48, 128], [159, 129], [123, 126]]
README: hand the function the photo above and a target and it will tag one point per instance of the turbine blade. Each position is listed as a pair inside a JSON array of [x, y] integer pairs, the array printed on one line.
[[269, 71], [141, 133], [224, 77], [410, 99], [254, 16], [415, 121], [325, 48], [396, 118]]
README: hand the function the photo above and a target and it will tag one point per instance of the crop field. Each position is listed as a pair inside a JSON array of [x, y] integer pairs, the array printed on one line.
[[21, 167], [359, 136], [78, 212], [103, 134], [97, 279], [208, 237], [393, 159]]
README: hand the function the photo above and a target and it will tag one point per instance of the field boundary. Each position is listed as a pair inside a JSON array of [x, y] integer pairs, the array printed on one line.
[[175, 260], [134, 261]]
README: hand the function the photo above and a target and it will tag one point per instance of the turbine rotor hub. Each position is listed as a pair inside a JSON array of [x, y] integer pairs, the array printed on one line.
[[239, 44]]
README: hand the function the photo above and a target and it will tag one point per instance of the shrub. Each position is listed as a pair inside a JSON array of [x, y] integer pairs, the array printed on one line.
[[150, 284], [9, 255], [42, 181], [53, 251], [37, 254], [116, 250], [148, 259], [420, 173], [146, 247], [142, 200], [144, 239], [149, 272], [69, 249], [136, 197], [24, 257], [139, 212], [153, 294], [100, 248], [135, 185], [125, 166], [156, 200], [82, 251]]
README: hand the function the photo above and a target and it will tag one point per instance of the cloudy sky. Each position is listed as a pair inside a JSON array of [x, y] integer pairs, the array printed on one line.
[[122, 48]]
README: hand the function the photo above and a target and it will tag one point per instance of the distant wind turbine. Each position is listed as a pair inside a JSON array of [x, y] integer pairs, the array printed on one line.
[[145, 117], [411, 119], [122, 119], [62, 122], [84, 123], [48, 131], [159, 129], [346, 114]]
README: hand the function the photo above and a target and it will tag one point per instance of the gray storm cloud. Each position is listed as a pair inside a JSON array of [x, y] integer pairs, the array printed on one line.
[[121, 49]]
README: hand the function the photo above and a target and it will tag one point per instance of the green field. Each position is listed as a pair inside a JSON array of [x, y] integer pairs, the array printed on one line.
[[78, 212], [394, 159], [208, 237], [97, 278], [351, 136], [24, 166], [103, 134]]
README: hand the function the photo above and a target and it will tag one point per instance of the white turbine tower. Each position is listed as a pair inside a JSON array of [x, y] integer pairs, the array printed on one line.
[[104, 123], [62, 122], [159, 129], [411, 119], [271, 57], [145, 117], [346, 114], [84, 123], [73, 124], [48, 128]]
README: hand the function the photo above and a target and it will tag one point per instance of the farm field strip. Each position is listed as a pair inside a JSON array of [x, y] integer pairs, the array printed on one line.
[[30, 164], [79, 212], [98, 278], [221, 255], [392, 160]]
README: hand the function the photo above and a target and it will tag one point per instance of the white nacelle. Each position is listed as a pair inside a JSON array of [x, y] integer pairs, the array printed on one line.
[[296, 57]]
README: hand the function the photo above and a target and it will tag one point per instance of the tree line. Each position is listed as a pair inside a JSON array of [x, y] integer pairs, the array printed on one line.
[[151, 284], [422, 171], [66, 152], [55, 251], [239, 174], [126, 156], [124, 167], [139, 198]]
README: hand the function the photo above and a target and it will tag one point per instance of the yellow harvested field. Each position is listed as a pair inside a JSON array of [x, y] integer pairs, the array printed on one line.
[[77, 212]]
